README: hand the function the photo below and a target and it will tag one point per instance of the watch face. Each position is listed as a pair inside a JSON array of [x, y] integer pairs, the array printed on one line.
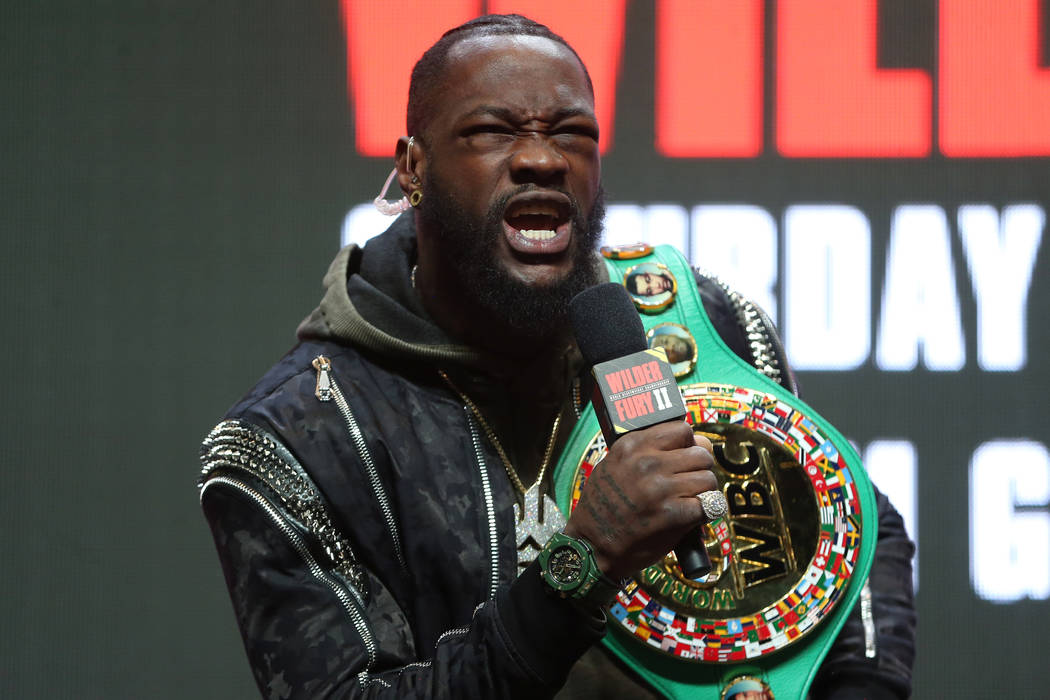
[[565, 565]]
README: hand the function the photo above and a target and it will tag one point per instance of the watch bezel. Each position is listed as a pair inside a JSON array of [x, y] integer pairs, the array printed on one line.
[[578, 562], [561, 542]]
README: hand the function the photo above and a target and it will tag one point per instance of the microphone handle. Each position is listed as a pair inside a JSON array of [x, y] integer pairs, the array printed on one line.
[[692, 554]]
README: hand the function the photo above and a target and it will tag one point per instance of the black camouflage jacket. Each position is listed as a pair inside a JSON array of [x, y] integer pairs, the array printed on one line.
[[366, 533]]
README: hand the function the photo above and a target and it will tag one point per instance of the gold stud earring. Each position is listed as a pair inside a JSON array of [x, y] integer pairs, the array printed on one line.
[[416, 197]]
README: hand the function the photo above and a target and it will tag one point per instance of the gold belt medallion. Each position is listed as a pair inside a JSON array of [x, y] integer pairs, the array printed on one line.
[[792, 539]]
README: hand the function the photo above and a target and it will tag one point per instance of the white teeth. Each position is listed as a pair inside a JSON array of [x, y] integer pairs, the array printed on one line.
[[537, 235]]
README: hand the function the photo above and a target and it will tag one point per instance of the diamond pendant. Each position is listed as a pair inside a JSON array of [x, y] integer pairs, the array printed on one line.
[[540, 520]]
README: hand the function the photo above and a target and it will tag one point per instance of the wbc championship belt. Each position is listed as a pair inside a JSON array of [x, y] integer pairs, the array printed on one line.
[[792, 553]]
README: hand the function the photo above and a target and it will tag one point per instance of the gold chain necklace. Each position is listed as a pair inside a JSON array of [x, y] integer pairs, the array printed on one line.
[[537, 518], [512, 473]]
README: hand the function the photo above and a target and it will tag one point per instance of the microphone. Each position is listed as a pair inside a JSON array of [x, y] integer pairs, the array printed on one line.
[[634, 387]]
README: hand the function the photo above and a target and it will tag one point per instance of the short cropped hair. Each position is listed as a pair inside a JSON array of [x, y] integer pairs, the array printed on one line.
[[428, 71], [632, 283]]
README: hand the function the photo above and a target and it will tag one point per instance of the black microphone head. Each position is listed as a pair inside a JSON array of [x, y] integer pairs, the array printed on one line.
[[606, 323]]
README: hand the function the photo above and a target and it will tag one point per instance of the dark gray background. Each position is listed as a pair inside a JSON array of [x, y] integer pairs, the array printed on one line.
[[174, 179]]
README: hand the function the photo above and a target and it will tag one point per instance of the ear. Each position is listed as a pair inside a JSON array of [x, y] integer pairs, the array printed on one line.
[[410, 179]]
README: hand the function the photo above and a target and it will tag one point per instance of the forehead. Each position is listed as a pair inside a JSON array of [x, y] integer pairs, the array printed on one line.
[[530, 74]]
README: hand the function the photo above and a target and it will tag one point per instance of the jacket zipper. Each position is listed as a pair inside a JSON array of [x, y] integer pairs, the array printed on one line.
[[350, 599], [490, 508], [326, 390], [867, 617]]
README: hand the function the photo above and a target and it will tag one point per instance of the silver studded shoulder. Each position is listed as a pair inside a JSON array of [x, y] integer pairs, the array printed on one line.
[[757, 328], [235, 446]]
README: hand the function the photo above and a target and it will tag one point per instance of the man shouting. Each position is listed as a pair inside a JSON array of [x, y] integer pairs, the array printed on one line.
[[368, 495]]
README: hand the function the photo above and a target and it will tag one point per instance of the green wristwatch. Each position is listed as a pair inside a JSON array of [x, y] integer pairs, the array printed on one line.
[[569, 569]]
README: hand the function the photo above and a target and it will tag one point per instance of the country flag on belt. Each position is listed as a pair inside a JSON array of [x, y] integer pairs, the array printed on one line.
[[853, 533], [823, 497], [813, 574], [639, 601], [786, 420], [805, 432]]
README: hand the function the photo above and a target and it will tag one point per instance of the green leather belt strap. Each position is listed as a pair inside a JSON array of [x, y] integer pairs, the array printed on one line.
[[788, 671]]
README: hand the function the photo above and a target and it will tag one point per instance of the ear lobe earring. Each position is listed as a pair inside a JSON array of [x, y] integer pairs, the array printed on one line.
[[388, 208]]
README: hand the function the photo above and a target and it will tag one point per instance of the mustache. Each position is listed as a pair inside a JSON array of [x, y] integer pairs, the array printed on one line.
[[499, 207]]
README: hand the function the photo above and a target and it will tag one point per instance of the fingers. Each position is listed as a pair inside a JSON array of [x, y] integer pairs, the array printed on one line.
[[688, 484], [702, 441], [662, 436], [683, 512], [688, 459], [673, 441]]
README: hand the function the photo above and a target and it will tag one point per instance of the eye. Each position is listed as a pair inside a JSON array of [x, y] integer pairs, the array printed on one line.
[[488, 134], [487, 129], [577, 131], [584, 130]]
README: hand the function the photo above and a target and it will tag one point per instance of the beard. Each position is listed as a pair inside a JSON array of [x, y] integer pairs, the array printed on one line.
[[529, 309]]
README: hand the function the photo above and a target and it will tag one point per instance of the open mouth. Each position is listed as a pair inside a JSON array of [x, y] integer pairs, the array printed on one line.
[[538, 222]]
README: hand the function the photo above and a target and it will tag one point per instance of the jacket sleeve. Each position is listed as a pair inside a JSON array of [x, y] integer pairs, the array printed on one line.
[[313, 628], [873, 654]]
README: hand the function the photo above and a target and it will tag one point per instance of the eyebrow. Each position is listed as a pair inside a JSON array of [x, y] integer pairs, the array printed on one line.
[[509, 115]]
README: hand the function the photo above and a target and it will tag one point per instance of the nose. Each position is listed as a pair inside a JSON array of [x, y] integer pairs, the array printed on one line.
[[537, 160]]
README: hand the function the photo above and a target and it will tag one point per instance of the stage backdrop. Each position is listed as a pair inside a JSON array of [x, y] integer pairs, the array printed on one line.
[[178, 175]]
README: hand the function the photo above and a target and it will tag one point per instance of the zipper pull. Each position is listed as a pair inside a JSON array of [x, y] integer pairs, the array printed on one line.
[[324, 381]]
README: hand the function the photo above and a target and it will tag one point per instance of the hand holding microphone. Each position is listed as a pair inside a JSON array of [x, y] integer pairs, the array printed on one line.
[[644, 496]]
